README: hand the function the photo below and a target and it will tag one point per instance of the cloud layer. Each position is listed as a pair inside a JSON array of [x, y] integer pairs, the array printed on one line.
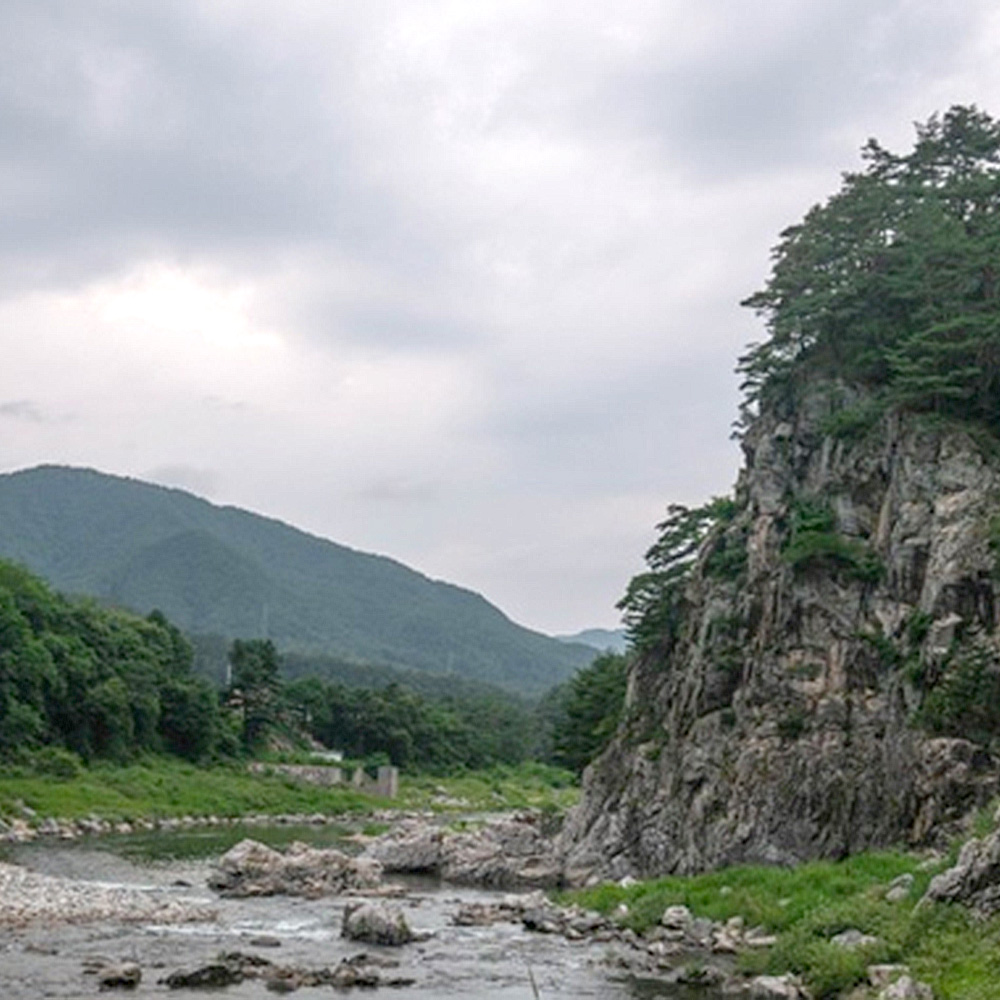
[[454, 282]]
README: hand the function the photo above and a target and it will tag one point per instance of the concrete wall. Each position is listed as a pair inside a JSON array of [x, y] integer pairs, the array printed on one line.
[[386, 785]]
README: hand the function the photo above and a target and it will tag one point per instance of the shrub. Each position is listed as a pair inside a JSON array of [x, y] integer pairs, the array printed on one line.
[[815, 542]]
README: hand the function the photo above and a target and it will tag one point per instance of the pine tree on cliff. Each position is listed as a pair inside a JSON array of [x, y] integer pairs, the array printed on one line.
[[893, 283]]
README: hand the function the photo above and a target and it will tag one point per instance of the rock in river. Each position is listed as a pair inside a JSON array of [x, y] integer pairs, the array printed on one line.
[[376, 923], [254, 869], [510, 852]]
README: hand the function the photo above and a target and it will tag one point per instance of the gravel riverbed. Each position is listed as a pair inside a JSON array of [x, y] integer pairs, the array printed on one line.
[[69, 909]]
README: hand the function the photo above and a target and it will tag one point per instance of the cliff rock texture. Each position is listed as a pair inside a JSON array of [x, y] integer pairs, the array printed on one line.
[[811, 702]]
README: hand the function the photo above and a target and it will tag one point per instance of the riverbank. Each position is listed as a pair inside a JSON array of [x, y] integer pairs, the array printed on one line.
[[450, 956], [104, 797], [845, 929]]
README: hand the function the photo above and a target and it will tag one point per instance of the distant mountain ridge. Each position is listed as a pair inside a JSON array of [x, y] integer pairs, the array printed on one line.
[[603, 639], [225, 571]]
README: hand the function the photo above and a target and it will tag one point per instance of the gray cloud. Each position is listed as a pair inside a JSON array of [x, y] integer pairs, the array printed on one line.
[[491, 254], [22, 409]]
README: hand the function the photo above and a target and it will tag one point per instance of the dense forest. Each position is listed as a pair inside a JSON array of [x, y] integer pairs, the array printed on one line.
[[104, 684], [893, 285], [97, 682]]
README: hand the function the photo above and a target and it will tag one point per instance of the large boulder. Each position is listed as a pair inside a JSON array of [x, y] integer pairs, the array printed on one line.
[[512, 852], [254, 869], [413, 847], [376, 923], [776, 721]]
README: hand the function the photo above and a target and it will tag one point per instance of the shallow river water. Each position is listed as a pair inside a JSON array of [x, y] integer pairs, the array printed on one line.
[[497, 962]]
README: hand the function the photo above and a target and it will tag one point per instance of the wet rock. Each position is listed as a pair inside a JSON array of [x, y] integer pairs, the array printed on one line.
[[254, 869], [413, 847], [234, 967], [376, 923], [974, 880], [514, 851], [126, 975], [703, 976], [214, 974]]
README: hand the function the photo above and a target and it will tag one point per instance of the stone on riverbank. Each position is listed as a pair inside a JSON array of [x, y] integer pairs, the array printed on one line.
[[254, 869], [27, 897], [906, 988], [126, 975], [231, 968], [974, 880]]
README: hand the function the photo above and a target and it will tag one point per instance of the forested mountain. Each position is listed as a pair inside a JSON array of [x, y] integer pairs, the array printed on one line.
[[227, 572]]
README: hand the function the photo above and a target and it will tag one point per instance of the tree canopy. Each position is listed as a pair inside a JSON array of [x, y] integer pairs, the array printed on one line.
[[892, 284], [590, 712], [95, 681]]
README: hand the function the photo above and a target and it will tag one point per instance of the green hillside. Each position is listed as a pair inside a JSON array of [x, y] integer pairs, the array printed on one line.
[[224, 571]]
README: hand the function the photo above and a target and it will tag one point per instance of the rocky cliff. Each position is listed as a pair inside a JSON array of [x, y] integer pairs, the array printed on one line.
[[811, 703]]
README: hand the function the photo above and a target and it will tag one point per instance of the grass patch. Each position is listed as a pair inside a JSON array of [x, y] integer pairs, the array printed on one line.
[[163, 787], [807, 905], [528, 786]]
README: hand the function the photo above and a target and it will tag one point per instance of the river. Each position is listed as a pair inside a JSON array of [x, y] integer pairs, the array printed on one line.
[[497, 962]]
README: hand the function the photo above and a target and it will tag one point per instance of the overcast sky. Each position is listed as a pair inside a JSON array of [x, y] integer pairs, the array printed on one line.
[[456, 282]]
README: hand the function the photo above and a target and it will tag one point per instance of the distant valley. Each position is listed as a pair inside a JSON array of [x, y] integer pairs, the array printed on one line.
[[601, 639]]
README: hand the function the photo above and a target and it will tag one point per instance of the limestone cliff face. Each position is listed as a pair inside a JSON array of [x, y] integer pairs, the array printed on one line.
[[780, 725]]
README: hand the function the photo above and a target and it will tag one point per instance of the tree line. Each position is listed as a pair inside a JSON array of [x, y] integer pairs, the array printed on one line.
[[105, 684]]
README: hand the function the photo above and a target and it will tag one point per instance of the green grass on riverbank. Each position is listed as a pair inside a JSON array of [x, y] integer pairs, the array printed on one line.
[[528, 786], [165, 787], [806, 906]]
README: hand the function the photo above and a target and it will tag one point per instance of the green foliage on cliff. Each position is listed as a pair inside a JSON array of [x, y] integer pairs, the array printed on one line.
[[963, 697], [893, 283], [653, 603], [99, 683], [813, 541]]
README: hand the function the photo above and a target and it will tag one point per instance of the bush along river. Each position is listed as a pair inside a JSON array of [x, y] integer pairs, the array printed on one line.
[[421, 911]]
